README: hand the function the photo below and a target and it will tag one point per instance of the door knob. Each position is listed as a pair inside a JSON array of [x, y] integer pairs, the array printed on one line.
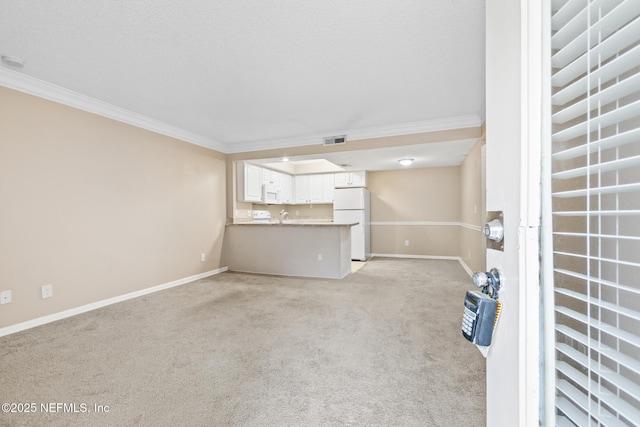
[[490, 281]]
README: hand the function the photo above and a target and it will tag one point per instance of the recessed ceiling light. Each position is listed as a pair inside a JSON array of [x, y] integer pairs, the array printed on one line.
[[13, 61], [285, 159], [405, 162]]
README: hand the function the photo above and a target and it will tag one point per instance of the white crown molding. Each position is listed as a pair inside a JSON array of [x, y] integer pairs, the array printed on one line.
[[42, 89], [33, 86], [451, 123]]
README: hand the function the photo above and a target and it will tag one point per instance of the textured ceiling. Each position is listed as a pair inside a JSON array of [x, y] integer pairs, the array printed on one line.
[[239, 73]]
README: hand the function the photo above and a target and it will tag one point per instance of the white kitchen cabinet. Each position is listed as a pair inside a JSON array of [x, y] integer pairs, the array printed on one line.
[[271, 177], [249, 179], [301, 189], [286, 188], [328, 187], [351, 179], [315, 189], [312, 189]]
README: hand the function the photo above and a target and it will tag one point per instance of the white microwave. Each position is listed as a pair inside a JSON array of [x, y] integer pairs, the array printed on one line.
[[270, 194]]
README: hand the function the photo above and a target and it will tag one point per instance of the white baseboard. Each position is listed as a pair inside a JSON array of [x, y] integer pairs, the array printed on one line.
[[451, 258], [99, 304]]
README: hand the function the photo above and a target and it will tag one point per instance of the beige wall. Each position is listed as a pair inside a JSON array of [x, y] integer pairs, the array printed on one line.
[[472, 212], [99, 208], [419, 205]]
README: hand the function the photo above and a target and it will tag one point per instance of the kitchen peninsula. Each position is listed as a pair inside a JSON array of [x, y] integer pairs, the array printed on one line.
[[308, 249]]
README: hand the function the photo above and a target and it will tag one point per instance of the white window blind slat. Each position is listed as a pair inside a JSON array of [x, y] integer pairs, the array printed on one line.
[[562, 421], [616, 116], [608, 283], [618, 14], [597, 258], [614, 308], [614, 141], [600, 326], [566, 13], [610, 94], [622, 64], [577, 417], [598, 236], [614, 212], [621, 382], [605, 50], [612, 189], [613, 401], [576, 411], [612, 354], [614, 165], [573, 31]]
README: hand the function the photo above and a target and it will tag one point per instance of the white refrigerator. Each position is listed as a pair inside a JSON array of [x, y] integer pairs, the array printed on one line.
[[353, 205]]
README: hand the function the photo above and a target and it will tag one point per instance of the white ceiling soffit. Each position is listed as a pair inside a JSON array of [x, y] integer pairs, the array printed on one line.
[[433, 154], [246, 75]]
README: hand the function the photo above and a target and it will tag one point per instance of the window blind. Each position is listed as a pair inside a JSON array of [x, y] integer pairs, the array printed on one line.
[[595, 96]]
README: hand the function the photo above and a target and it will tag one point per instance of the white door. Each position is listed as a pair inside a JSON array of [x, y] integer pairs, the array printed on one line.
[[358, 250], [512, 187]]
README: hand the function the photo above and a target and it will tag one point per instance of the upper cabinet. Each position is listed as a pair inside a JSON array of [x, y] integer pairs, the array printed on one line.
[[328, 187], [305, 189], [351, 179], [313, 188], [249, 179], [286, 188]]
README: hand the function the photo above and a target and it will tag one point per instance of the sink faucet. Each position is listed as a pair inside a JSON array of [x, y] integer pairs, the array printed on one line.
[[283, 214]]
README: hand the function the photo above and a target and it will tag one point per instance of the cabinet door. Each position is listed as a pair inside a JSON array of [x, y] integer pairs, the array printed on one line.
[[286, 186], [252, 183], [342, 179], [301, 188], [358, 179], [271, 177], [315, 188], [328, 187]]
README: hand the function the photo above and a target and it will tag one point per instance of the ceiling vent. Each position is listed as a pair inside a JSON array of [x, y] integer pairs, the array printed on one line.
[[335, 140]]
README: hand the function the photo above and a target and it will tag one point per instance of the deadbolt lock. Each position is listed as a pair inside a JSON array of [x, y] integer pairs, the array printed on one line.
[[494, 230]]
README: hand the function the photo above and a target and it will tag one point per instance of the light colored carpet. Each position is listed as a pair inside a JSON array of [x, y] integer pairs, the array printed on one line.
[[381, 347]]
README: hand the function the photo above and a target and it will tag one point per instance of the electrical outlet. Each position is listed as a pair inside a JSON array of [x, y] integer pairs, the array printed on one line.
[[47, 291], [406, 243], [202, 257], [5, 297]]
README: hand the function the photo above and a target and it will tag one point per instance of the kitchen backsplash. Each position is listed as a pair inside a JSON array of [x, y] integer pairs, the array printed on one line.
[[304, 212]]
